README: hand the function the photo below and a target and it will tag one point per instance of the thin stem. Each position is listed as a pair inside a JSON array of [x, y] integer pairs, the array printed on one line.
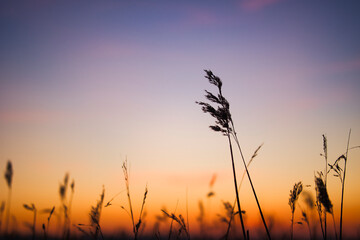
[[334, 226], [292, 225], [252, 186], [320, 219], [187, 210], [236, 188], [34, 225], [8, 211], [343, 186], [233, 206], [326, 164]]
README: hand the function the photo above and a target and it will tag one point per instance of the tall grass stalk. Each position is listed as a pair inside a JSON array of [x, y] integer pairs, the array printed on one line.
[[225, 125], [325, 155], [2, 208], [294, 196], [126, 176], [95, 214], [252, 186], [241, 181], [34, 210], [322, 197], [46, 228], [8, 177], [343, 186], [136, 227]]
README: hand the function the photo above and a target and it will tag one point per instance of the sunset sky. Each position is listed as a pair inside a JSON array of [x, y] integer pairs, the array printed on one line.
[[85, 85]]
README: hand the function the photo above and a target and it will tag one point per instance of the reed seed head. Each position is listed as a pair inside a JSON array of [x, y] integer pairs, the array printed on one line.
[[294, 195], [221, 112], [322, 194], [9, 173]]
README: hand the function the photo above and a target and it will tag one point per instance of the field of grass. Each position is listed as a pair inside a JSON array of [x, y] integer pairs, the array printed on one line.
[[314, 213]]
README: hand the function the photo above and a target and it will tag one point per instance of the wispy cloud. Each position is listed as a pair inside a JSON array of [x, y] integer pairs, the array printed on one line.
[[343, 66], [255, 5]]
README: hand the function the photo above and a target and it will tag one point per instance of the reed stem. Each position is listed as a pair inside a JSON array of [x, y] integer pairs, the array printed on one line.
[[343, 186]]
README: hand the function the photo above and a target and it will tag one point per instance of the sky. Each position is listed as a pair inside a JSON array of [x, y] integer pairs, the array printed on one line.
[[86, 85]]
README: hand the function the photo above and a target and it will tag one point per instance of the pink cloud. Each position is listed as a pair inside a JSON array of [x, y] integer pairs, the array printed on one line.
[[28, 116], [344, 66], [201, 17], [254, 5]]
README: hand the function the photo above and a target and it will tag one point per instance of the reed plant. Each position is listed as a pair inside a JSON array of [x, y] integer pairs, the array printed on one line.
[[294, 196], [322, 199], [135, 227], [241, 181], [95, 214], [325, 155], [46, 227], [2, 209], [181, 222], [8, 177], [225, 125], [33, 209], [340, 173]]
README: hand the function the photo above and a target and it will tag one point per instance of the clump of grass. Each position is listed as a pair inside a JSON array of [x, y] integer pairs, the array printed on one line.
[[224, 124], [95, 214], [181, 221], [309, 202], [136, 227], [46, 227], [201, 217], [33, 209], [8, 177], [325, 155], [2, 209], [159, 219], [66, 204], [294, 196], [322, 199], [341, 173]]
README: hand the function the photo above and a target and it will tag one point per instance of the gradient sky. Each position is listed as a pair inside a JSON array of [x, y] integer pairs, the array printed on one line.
[[86, 84]]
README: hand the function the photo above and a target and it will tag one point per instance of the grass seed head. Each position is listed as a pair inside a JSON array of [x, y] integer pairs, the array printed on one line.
[[322, 194], [294, 195], [9, 173]]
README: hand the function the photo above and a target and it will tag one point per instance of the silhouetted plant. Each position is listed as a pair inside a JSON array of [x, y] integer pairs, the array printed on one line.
[[95, 214], [241, 181], [322, 198], [2, 209], [340, 173], [46, 227], [225, 125], [34, 210], [181, 221], [136, 227], [309, 202], [294, 196], [325, 155], [8, 177]]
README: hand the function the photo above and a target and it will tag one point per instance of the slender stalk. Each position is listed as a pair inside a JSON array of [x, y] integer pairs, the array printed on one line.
[[334, 226], [326, 171], [320, 219], [343, 186], [187, 210], [34, 224], [252, 186], [292, 225], [8, 212], [236, 188]]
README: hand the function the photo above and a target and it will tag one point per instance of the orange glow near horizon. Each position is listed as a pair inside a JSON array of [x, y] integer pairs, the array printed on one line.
[[86, 85]]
